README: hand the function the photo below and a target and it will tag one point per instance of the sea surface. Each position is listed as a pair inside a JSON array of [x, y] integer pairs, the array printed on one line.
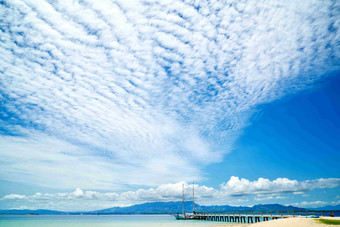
[[109, 220], [99, 221]]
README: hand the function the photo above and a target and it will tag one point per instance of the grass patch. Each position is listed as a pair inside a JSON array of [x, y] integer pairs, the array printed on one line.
[[329, 222]]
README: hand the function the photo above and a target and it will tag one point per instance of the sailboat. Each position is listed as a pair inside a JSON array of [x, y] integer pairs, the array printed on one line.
[[185, 216]]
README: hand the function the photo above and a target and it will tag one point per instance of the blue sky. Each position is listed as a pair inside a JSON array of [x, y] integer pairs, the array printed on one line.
[[118, 102], [295, 137]]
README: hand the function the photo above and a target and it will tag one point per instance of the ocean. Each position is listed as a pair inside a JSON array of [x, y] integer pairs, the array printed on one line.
[[108, 221], [99, 221]]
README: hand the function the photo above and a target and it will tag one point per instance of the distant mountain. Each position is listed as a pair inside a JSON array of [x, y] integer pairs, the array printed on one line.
[[149, 208], [176, 207], [39, 211], [165, 208], [223, 208], [275, 207], [336, 207]]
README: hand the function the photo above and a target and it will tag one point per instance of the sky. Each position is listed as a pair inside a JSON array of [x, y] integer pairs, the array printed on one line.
[[114, 103]]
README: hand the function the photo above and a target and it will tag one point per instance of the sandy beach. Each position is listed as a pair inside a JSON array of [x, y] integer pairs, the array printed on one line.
[[289, 222]]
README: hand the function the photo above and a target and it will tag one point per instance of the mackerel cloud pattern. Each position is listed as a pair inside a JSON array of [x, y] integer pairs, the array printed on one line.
[[114, 89]]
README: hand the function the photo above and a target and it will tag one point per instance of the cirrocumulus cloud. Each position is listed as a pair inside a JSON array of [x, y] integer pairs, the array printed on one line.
[[106, 94]]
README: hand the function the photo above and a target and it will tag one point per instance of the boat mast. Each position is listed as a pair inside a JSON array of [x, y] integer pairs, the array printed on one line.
[[193, 197], [183, 198]]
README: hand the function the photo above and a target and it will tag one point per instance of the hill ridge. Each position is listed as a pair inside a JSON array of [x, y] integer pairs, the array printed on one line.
[[165, 208]]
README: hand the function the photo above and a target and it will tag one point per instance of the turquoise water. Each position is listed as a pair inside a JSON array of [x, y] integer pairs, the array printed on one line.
[[99, 221]]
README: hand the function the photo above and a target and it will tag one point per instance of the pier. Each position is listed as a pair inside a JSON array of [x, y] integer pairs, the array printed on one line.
[[237, 217]]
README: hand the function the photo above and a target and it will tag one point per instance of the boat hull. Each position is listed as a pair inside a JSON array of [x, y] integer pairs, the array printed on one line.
[[179, 216], [184, 217]]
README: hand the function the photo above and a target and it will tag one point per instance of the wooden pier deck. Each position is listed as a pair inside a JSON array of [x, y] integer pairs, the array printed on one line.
[[243, 217]]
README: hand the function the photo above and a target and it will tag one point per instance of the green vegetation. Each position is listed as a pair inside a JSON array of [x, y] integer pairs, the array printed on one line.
[[329, 222]]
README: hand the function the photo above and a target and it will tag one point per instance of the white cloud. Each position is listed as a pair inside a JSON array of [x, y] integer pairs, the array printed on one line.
[[91, 200], [48, 161], [143, 93], [21, 208], [269, 198], [315, 204], [240, 187], [13, 196]]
